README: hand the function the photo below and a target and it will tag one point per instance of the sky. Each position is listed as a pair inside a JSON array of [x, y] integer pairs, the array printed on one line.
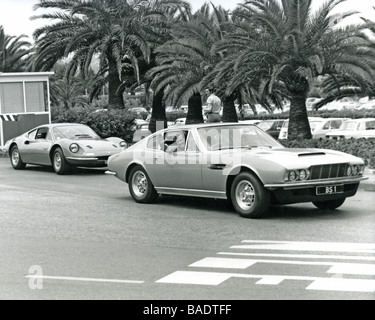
[[15, 14]]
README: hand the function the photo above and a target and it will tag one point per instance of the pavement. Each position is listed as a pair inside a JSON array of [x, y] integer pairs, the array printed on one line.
[[369, 184]]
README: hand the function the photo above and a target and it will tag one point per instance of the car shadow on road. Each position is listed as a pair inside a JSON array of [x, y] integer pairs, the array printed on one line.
[[275, 212], [299, 212], [74, 171]]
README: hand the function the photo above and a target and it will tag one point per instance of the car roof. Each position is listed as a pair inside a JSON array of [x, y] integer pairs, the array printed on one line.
[[208, 125]]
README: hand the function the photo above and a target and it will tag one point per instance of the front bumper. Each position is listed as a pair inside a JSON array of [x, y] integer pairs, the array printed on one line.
[[288, 193], [88, 162]]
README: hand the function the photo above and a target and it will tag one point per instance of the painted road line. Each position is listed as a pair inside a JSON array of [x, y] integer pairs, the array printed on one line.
[[197, 278], [358, 269], [352, 285], [299, 256], [82, 279], [340, 267], [306, 246], [317, 283], [224, 263]]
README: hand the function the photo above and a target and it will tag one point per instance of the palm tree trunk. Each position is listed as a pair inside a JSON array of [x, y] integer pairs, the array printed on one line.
[[115, 100], [299, 126], [229, 110], [158, 118], [194, 114]]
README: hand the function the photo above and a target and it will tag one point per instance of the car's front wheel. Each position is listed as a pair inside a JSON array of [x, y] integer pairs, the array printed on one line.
[[141, 187], [15, 159], [59, 163], [249, 197], [330, 204]]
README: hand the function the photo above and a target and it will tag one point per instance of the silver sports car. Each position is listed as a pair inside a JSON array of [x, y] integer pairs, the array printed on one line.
[[239, 162], [62, 145]]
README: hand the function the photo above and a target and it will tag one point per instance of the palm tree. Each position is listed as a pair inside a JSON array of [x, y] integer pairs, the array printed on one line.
[[14, 52], [184, 61], [111, 30], [287, 49]]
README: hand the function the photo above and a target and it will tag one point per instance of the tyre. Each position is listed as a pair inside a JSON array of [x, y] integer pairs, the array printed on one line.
[[141, 187], [249, 197], [15, 159], [59, 163], [330, 204]]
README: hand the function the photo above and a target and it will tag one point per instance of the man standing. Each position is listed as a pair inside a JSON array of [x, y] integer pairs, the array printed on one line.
[[213, 107]]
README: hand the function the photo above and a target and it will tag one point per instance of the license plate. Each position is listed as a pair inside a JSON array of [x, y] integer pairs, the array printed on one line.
[[327, 190]]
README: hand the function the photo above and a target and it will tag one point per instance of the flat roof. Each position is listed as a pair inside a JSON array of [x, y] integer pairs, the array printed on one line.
[[25, 74]]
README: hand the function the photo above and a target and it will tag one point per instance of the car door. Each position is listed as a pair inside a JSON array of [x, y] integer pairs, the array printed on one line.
[[38, 147], [178, 166]]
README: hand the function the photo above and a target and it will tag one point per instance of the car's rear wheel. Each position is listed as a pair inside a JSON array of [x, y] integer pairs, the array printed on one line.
[[249, 197], [15, 159], [59, 163], [330, 204], [141, 187]]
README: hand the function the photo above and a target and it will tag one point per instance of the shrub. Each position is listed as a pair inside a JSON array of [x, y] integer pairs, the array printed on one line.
[[111, 123]]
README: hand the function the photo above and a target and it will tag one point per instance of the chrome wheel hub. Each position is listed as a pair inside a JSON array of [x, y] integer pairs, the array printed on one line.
[[57, 161], [139, 184], [15, 157], [245, 195]]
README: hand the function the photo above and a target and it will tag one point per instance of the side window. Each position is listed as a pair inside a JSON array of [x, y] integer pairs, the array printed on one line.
[[32, 134], [370, 125], [175, 141], [191, 145], [155, 143], [336, 124], [41, 134], [327, 126]]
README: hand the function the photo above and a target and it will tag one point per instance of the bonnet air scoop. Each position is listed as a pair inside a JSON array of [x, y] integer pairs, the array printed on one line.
[[309, 154]]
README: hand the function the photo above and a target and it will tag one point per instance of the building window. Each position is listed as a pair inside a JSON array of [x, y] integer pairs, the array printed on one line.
[[11, 95], [36, 96]]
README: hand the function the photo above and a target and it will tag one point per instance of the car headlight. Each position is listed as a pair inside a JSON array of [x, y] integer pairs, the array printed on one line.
[[349, 171], [297, 175], [292, 176], [123, 144], [74, 147], [304, 174]]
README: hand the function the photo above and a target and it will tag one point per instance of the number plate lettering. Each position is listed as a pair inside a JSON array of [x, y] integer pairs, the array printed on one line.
[[327, 190]]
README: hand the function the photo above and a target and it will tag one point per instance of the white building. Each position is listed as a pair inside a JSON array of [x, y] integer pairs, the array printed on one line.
[[24, 103]]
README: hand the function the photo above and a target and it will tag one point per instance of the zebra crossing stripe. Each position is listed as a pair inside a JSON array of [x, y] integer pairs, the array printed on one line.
[[9, 117]]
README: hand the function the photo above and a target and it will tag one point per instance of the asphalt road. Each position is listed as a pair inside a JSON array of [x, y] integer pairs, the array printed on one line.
[[81, 236]]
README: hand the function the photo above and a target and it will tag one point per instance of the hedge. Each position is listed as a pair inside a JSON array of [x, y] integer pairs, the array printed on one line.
[[362, 148], [111, 123]]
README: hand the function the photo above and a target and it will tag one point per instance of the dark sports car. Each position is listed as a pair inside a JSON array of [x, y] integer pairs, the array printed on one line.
[[62, 146], [239, 162]]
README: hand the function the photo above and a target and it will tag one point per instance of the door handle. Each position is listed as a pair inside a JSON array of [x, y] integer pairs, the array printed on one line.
[[217, 166]]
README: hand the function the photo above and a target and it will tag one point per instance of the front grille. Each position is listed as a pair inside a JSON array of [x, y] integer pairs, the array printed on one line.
[[329, 171], [104, 158]]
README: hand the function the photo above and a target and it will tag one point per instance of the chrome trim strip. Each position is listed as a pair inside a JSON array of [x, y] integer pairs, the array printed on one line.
[[111, 173], [83, 159], [310, 183], [192, 192]]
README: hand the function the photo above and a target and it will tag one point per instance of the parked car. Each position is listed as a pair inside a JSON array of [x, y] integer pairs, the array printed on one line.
[[62, 146], [141, 131], [310, 103], [321, 128], [314, 121], [238, 162], [272, 127], [357, 128]]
